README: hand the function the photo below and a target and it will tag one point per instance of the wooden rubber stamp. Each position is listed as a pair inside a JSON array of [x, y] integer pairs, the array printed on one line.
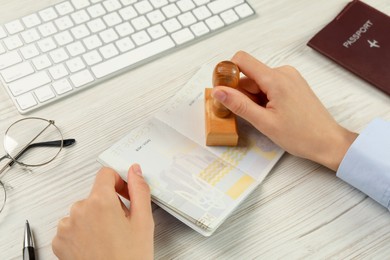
[[221, 124]]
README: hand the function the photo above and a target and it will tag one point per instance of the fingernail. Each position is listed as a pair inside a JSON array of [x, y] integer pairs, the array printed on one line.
[[137, 169], [219, 95]]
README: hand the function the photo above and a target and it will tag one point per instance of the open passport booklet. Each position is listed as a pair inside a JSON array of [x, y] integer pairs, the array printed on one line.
[[197, 184]]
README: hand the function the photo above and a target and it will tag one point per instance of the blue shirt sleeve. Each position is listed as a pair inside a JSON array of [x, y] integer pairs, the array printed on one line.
[[366, 165]]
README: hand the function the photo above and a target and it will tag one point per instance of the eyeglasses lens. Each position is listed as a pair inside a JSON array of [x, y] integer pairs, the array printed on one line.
[[23, 141]]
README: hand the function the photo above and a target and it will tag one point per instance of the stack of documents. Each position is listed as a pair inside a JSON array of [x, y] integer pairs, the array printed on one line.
[[197, 184]]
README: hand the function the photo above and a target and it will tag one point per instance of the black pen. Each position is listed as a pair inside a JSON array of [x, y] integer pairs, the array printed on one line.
[[28, 243]]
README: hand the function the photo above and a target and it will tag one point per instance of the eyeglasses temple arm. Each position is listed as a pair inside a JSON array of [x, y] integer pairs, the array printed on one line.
[[56, 143]]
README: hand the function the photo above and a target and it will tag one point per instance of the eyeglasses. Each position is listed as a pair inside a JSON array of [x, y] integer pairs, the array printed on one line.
[[30, 134]]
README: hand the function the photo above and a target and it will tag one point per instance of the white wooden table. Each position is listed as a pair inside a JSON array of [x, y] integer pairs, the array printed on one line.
[[301, 211]]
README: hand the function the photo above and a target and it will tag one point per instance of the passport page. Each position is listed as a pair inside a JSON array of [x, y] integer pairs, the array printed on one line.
[[199, 185]]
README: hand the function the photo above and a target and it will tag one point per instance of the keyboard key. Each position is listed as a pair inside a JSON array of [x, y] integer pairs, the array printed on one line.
[[44, 93], [2, 49], [29, 83], [47, 29], [170, 10], [48, 14], [159, 3], [183, 36], [96, 11], [63, 38], [64, 23], [185, 5], [141, 38], [128, 13], [244, 10], [58, 72], [140, 23], [59, 55], [3, 34], [81, 78], [187, 19], [31, 20], [92, 57], [29, 51], [14, 27], [41, 62], [109, 51], [92, 42], [201, 2], [219, 6], [30, 36], [26, 101], [202, 13], [111, 5], [132, 57], [80, 17], [143, 7], [75, 48], [172, 25], [128, 2], [46, 45], [9, 59], [80, 31], [13, 42], [62, 86], [79, 4], [96, 25], [229, 16], [112, 19], [124, 29], [108, 35], [155, 17], [156, 31], [64, 8], [17, 71], [75, 64], [125, 44], [199, 29], [214, 22]]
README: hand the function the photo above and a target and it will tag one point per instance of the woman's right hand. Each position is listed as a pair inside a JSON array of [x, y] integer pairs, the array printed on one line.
[[280, 104]]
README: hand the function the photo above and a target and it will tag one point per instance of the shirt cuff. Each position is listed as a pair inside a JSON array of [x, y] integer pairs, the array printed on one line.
[[366, 165]]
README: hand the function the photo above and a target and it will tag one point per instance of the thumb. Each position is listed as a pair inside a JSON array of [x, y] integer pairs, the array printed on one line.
[[139, 193], [241, 105]]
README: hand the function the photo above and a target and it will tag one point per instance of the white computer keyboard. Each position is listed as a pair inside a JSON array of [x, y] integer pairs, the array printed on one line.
[[69, 46]]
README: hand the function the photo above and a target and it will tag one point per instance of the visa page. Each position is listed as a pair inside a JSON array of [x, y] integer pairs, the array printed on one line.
[[200, 185]]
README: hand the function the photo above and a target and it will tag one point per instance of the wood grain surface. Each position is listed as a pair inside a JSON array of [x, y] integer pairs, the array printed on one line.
[[301, 211]]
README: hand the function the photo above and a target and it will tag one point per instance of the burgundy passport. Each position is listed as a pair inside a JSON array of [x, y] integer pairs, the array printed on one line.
[[359, 40]]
